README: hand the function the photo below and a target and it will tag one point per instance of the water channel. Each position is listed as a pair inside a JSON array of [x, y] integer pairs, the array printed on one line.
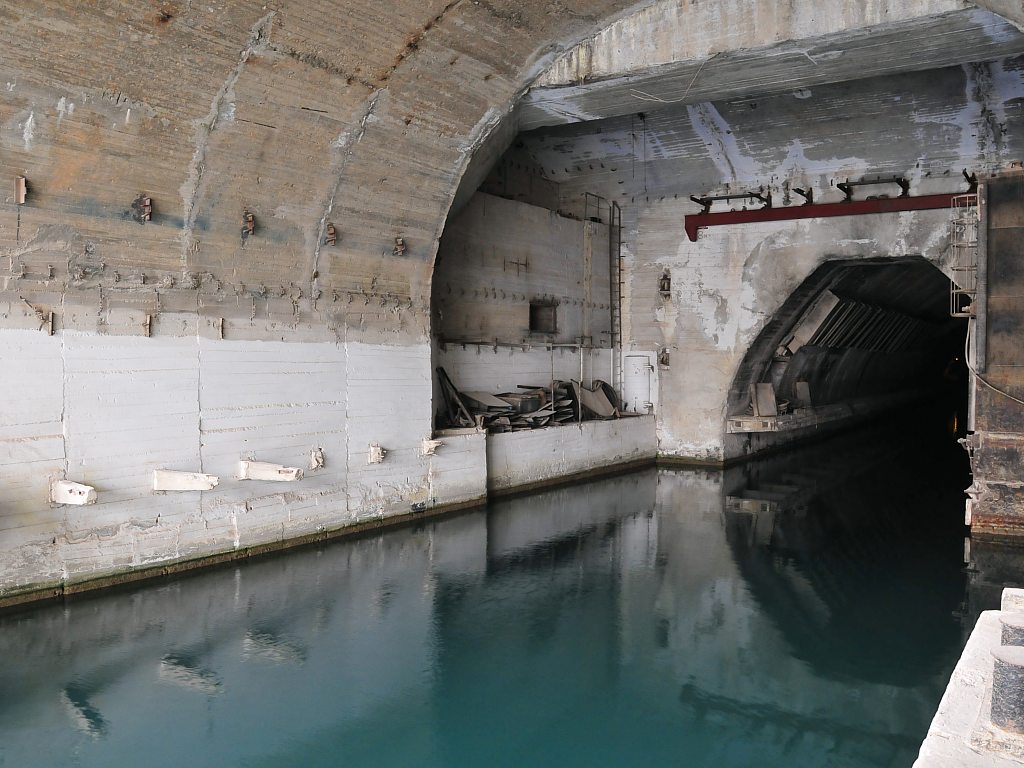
[[803, 610]]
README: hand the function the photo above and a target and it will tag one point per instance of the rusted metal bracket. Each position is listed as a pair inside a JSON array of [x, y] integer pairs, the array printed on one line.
[[707, 200], [847, 187], [45, 317], [694, 222], [806, 194]]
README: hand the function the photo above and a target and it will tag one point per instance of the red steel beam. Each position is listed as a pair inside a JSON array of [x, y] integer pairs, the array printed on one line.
[[697, 221]]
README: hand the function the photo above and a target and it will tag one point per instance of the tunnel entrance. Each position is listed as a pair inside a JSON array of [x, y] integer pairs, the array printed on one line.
[[856, 339], [736, 338], [743, 340]]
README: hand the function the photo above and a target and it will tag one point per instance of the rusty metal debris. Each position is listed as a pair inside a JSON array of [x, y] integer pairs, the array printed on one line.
[[456, 414], [532, 407]]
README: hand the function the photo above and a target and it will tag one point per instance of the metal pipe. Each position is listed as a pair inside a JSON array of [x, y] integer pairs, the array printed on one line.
[[552, 379], [981, 284]]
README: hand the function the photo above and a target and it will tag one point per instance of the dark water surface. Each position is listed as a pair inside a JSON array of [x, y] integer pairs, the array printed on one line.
[[804, 610]]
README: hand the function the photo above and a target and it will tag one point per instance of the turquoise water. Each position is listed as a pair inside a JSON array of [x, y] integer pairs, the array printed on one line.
[[801, 611]]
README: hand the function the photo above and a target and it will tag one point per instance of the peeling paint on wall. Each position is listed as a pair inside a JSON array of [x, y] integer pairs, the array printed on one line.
[[722, 146]]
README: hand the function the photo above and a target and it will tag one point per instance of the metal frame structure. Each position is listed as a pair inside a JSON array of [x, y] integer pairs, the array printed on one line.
[[694, 222], [964, 228]]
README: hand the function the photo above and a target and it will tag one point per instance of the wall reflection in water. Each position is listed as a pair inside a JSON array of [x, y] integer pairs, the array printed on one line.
[[801, 610]]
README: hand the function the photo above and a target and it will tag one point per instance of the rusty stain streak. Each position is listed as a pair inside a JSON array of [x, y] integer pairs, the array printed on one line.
[[319, 62], [412, 42]]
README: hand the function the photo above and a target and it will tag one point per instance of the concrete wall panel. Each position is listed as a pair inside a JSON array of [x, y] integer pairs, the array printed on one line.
[[540, 455], [458, 470], [498, 255], [31, 433]]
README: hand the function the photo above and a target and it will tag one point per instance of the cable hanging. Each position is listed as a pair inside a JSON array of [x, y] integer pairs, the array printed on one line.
[[971, 368]]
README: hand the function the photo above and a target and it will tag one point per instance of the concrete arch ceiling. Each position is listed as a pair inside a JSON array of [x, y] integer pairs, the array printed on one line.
[[671, 52], [356, 113], [352, 112]]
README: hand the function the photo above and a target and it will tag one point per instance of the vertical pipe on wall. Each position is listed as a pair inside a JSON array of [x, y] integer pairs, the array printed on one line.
[[977, 326], [981, 284], [551, 347]]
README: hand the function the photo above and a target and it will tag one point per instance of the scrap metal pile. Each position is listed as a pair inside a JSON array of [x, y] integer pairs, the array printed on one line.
[[532, 407]]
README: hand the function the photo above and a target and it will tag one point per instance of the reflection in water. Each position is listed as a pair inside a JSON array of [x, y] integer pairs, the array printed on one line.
[[801, 610], [991, 566], [84, 715], [857, 550], [182, 669], [268, 646]]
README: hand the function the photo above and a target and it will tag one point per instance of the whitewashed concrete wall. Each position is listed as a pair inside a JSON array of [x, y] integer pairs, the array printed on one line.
[[540, 455], [498, 255], [107, 411], [31, 452], [725, 288]]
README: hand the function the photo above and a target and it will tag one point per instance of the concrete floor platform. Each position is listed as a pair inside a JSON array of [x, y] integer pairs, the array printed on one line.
[[961, 734]]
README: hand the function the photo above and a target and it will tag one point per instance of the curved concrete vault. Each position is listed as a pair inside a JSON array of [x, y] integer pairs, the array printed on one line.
[[232, 215]]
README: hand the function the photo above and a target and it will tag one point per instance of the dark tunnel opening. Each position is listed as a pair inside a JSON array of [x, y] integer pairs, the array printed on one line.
[[833, 533], [856, 341], [868, 366]]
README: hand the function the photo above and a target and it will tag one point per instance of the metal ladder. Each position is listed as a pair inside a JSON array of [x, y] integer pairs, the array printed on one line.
[[615, 288]]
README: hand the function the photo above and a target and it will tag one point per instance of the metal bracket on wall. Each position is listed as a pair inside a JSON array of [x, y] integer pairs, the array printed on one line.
[[846, 187], [706, 201], [694, 222]]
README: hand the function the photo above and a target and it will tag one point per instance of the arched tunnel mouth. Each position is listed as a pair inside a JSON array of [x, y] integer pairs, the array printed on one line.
[[856, 340], [867, 362], [858, 493]]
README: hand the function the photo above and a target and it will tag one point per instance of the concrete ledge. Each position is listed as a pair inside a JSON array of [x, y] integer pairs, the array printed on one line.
[[529, 459], [831, 415], [764, 444], [40, 593], [669, 461], [961, 733], [609, 470]]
